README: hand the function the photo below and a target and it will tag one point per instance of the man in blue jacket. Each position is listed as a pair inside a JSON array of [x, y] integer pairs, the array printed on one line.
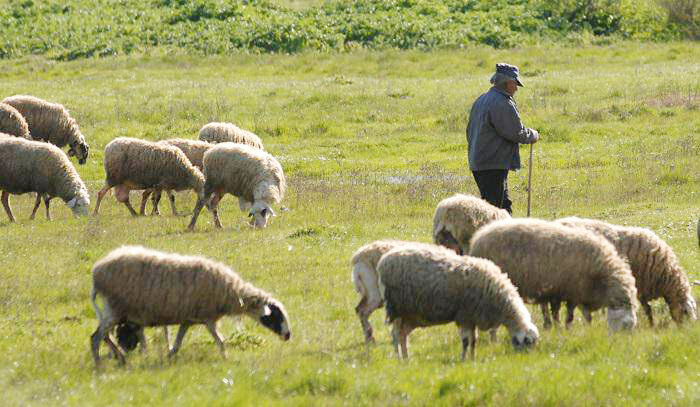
[[493, 133]]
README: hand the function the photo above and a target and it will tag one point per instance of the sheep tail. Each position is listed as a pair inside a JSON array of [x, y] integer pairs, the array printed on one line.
[[93, 299]]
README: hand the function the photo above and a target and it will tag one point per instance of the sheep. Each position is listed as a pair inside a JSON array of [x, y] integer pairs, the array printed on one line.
[[52, 123], [457, 218], [251, 174], [12, 122], [132, 163], [424, 285], [194, 150], [548, 262], [147, 287], [34, 166], [654, 265], [217, 132], [366, 280]]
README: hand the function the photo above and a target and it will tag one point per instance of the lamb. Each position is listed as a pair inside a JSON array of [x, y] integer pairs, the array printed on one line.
[[459, 216], [216, 132], [194, 150], [33, 166], [251, 174], [549, 262], [366, 280], [52, 123], [151, 288], [654, 265], [425, 285], [132, 163], [12, 122]]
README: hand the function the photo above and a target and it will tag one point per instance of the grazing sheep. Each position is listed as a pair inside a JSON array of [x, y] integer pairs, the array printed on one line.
[[33, 166], [459, 216], [132, 163], [548, 262], [251, 174], [12, 122], [194, 150], [654, 265], [216, 132], [364, 276], [52, 123], [425, 285], [146, 287]]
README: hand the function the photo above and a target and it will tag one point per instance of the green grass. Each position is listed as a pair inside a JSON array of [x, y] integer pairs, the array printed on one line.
[[370, 143]]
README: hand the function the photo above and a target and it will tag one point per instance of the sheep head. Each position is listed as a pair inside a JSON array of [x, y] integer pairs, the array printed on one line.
[[272, 315], [621, 318], [80, 149], [688, 308], [526, 336], [260, 213], [80, 203]]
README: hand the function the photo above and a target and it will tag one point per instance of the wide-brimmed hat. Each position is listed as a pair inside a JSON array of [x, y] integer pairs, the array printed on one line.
[[510, 71]]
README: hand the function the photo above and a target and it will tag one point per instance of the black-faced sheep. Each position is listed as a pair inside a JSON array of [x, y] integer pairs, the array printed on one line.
[[251, 174], [34, 166], [551, 262], [424, 285], [655, 267], [132, 163], [457, 218], [148, 288]]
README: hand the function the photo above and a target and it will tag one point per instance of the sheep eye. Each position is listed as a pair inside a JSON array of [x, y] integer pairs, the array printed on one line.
[[264, 212]]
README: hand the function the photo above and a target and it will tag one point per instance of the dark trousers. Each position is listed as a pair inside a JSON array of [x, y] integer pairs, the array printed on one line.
[[493, 186]]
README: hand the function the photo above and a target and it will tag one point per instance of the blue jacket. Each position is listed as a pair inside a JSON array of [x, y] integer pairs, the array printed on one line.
[[494, 131]]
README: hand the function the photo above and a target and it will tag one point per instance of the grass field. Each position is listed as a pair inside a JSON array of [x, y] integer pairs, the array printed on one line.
[[370, 143]]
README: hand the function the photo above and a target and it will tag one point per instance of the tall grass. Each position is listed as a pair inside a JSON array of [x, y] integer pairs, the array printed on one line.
[[370, 143]]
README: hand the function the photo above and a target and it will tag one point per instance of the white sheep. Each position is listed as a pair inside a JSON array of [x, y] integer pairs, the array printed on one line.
[[12, 122], [655, 267], [52, 123], [132, 163], [366, 280], [251, 174], [33, 166], [194, 150], [148, 288], [220, 132], [424, 285], [551, 262], [457, 218]]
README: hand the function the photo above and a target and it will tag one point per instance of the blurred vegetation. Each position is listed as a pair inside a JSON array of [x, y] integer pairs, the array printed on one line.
[[68, 30]]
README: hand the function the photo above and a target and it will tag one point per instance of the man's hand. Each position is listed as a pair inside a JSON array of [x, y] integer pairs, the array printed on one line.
[[535, 136]]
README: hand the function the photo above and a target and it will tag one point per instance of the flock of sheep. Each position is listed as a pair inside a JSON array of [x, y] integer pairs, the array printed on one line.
[[479, 273]]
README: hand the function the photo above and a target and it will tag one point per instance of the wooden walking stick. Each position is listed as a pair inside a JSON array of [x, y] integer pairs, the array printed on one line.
[[529, 183]]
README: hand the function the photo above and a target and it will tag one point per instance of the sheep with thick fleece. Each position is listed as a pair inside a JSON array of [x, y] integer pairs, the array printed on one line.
[[221, 132], [12, 122], [548, 262], [51, 122], [655, 267], [424, 285], [151, 288], [194, 150], [366, 280], [457, 218], [34, 166], [132, 163], [251, 174]]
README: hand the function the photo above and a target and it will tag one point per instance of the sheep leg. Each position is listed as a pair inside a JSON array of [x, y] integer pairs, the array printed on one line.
[[36, 206], [555, 306], [171, 199], [545, 315], [211, 326], [6, 203], [215, 209], [586, 314], [404, 330], [570, 307], [47, 199], [165, 336], [144, 201], [647, 310], [100, 195], [155, 200], [468, 335], [197, 208], [178, 340], [122, 194], [100, 334], [142, 339], [493, 332]]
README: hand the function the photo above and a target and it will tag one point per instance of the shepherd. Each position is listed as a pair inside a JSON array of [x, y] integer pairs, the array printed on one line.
[[494, 131]]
